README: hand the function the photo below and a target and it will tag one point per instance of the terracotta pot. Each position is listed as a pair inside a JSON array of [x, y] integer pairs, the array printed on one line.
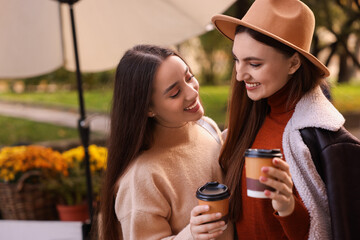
[[73, 212]]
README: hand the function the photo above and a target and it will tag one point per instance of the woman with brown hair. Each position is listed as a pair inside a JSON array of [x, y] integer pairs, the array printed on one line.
[[277, 103], [161, 149]]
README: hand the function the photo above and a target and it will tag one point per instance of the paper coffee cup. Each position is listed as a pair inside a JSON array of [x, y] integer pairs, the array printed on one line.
[[216, 196], [255, 159]]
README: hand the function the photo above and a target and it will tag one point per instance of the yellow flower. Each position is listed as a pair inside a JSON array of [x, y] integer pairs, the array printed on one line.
[[97, 160], [15, 161], [64, 172]]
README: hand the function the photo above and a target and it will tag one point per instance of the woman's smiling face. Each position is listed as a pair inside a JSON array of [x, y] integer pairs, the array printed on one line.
[[175, 97], [263, 69]]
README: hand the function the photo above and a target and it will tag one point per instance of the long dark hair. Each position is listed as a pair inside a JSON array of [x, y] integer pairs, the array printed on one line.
[[246, 116], [131, 129]]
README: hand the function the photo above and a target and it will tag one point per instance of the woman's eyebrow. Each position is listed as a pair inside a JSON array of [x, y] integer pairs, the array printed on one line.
[[248, 58], [170, 87], [252, 58], [174, 84]]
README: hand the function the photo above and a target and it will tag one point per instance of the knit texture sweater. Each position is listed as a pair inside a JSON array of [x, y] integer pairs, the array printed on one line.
[[258, 219], [157, 192]]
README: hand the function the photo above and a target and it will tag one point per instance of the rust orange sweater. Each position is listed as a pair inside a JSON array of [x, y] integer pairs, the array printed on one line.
[[258, 219]]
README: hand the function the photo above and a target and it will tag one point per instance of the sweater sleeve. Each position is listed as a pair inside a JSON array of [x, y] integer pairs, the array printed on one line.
[[144, 225], [143, 206], [293, 228]]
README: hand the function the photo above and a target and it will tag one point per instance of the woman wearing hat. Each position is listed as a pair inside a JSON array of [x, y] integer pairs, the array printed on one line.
[[277, 103]]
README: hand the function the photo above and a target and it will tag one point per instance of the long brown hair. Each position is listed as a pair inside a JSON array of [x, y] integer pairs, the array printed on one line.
[[131, 129], [246, 116]]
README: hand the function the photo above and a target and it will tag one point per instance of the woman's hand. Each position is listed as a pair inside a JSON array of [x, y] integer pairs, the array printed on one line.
[[200, 227], [279, 178]]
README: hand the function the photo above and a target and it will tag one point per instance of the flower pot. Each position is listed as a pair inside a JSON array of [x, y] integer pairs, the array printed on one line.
[[73, 212]]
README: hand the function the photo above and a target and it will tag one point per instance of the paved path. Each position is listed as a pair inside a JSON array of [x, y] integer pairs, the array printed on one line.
[[98, 122]]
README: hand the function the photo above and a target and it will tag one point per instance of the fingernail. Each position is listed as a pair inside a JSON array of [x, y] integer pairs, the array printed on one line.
[[206, 207], [263, 179], [265, 169], [218, 215], [276, 161], [267, 193]]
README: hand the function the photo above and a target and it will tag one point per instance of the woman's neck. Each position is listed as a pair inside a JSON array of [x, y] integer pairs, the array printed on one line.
[[179, 126], [165, 136], [280, 101]]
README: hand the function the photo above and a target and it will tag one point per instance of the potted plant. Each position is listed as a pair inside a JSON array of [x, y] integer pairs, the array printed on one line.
[[23, 170], [70, 189]]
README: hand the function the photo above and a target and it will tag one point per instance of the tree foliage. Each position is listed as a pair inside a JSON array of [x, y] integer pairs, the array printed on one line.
[[216, 49], [337, 36], [341, 20]]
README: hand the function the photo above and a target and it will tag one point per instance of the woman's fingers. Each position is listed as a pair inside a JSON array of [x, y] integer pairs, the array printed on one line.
[[281, 164], [279, 186], [280, 172], [205, 218], [209, 228], [205, 226], [199, 210], [208, 236], [278, 177]]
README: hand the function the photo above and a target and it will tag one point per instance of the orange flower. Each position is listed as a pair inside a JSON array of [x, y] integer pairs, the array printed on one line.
[[15, 161]]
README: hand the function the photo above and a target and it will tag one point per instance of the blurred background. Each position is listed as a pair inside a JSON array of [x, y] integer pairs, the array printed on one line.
[[41, 99], [336, 42]]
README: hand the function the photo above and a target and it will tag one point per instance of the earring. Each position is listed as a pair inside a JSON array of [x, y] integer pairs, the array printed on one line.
[[152, 115]]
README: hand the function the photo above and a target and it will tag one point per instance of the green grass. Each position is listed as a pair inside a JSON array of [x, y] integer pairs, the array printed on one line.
[[346, 98], [19, 131], [215, 100], [95, 101]]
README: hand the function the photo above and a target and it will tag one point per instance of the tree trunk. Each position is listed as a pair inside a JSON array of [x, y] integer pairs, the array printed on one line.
[[242, 7], [345, 71], [315, 45]]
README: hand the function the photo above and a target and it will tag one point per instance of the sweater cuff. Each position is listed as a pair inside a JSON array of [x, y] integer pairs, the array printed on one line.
[[297, 224], [185, 234]]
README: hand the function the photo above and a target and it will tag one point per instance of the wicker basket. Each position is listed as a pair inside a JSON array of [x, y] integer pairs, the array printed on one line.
[[26, 201]]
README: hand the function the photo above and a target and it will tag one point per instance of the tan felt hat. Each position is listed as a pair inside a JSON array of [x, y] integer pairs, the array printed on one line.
[[288, 21]]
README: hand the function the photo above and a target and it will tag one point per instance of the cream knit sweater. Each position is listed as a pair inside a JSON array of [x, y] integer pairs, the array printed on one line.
[[157, 192]]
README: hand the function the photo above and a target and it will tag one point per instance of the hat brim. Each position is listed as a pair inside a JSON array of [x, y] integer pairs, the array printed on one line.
[[227, 26]]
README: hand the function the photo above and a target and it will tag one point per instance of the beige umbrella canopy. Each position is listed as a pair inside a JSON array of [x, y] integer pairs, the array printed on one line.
[[36, 38]]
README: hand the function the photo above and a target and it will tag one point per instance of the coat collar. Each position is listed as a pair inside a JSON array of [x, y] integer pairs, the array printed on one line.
[[315, 110]]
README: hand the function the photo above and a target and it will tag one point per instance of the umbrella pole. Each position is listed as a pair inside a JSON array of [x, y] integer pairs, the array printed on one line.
[[84, 129]]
